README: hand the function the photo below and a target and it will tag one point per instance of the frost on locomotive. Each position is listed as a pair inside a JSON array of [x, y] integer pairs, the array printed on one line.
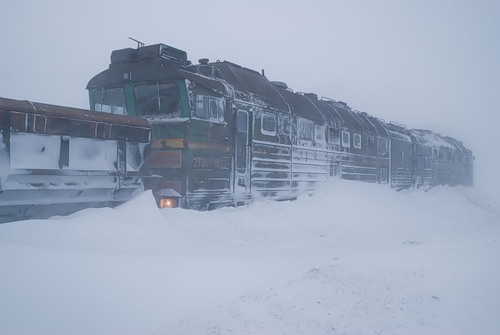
[[223, 134]]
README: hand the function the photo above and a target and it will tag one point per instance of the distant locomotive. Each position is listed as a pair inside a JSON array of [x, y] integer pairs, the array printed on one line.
[[223, 134], [202, 136]]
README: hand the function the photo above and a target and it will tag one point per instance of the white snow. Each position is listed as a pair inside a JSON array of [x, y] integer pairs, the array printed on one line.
[[353, 258], [33, 151], [92, 154]]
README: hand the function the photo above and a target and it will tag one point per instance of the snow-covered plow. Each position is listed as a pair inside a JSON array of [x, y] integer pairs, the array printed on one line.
[[56, 160]]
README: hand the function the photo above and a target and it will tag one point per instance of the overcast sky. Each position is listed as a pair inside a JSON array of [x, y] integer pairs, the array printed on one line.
[[431, 64]]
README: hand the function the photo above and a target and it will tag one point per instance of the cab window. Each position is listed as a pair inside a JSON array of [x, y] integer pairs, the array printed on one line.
[[209, 108], [154, 99], [110, 100], [268, 124]]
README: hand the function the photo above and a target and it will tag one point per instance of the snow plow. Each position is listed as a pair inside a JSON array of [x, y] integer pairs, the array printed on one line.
[[56, 160]]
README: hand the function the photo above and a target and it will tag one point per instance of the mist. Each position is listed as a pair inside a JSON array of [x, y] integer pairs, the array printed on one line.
[[431, 64]]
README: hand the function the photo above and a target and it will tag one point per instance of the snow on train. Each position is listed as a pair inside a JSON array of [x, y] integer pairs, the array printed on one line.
[[57, 160], [222, 135]]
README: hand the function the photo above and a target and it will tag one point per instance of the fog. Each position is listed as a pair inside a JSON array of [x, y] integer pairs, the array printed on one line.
[[426, 64]]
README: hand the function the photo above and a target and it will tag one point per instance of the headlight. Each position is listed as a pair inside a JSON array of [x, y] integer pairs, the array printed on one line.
[[167, 198], [168, 202]]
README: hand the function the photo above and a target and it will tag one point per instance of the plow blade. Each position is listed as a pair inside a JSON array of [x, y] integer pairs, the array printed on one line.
[[56, 160]]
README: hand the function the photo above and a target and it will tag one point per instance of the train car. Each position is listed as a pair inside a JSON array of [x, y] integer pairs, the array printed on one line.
[[56, 160], [363, 146], [223, 134], [402, 152], [423, 163], [461, 169], [451, 162], [202, 136]]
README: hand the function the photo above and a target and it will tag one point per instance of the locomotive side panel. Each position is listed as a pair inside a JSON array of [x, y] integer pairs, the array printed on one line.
[[270, 155], [423, 165], [401, 163]]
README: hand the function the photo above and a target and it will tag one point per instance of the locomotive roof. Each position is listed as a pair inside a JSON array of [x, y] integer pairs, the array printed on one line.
[[377, 123], [458, 144], [399, 131], [355, 121], [333, 118], [301, 105], [369, 124], [250, 85], [437, 140], [149, 69]]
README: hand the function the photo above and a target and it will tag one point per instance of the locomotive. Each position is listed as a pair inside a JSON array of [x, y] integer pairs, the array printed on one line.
[[207, 135]]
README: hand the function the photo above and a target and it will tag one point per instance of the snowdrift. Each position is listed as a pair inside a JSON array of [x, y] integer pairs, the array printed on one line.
[[351, 259]]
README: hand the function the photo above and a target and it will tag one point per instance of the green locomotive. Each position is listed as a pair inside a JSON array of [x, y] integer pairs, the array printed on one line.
[[223, 134]]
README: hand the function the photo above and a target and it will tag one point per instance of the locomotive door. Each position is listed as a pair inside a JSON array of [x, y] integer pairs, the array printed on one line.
[[242, 152]]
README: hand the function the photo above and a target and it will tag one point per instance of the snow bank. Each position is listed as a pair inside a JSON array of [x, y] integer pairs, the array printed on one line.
[[351, 259]]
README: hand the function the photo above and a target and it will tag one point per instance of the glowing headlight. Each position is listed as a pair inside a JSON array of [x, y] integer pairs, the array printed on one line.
[[168, 202], [167, 198]]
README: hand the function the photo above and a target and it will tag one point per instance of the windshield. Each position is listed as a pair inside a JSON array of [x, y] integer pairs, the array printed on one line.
[[154, 99], [110, 100]]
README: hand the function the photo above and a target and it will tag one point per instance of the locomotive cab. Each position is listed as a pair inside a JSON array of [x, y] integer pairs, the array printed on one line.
[[189, 154]]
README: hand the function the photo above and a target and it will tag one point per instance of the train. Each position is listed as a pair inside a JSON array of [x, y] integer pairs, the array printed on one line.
[[212, 134]]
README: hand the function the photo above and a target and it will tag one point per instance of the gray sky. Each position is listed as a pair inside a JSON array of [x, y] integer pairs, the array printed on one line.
[[431, 64]]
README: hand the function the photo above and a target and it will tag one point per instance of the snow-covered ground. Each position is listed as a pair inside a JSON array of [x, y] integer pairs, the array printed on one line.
[[351, 259]]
